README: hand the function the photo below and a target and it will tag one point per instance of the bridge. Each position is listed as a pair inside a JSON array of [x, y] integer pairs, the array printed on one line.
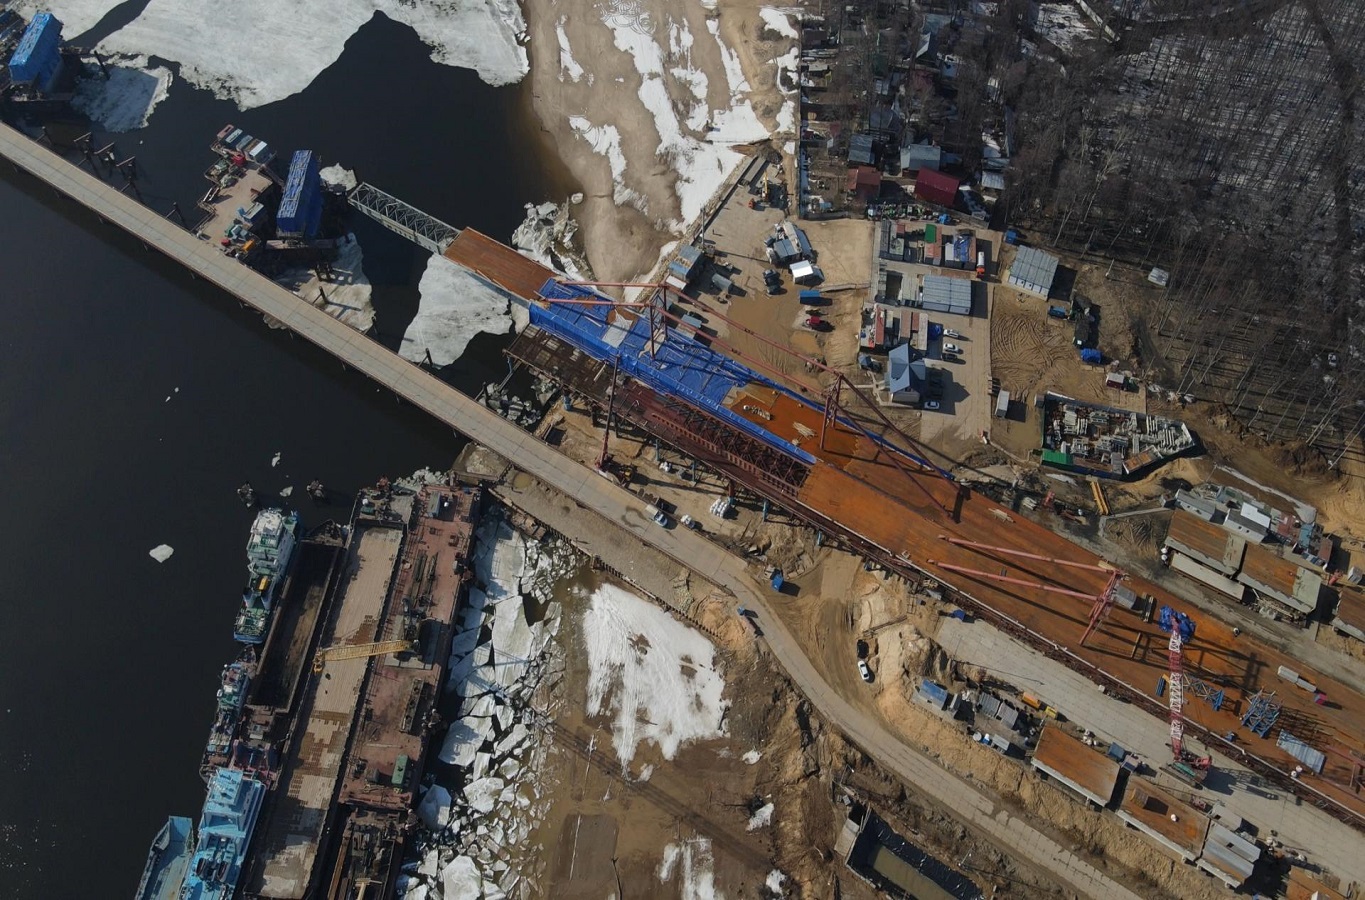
[[402, 218], [470, 418]]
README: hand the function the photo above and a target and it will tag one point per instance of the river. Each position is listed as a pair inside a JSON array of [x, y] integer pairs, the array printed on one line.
[[134, 400]]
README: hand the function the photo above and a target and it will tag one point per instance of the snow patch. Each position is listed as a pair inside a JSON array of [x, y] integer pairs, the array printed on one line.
[[605, 140], [779, 20], [751, 757], [288, 44], [697, 869], [454, 307], [1063, 25], [762, 816], [161, 552], [775, 881], [567, 64], [125, 101], [657, 676]]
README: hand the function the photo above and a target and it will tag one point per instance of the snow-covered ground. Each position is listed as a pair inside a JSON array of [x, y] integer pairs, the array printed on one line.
[[694, 865], [694, 137], [125, 101], [1063, 25], [780, 20], [258, 51], [656, 677], [454, 307]]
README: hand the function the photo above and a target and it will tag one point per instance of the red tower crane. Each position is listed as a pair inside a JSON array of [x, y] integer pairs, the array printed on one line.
[[1101, 603]]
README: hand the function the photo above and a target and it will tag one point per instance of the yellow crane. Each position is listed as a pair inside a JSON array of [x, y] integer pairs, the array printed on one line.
[[359, 651]]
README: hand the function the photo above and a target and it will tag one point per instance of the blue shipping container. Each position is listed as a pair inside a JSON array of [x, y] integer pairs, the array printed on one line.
[[810, 297], [38, 56], [300, 213]]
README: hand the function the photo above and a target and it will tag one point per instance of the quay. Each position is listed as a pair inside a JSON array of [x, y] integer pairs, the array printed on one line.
[[694, 551]]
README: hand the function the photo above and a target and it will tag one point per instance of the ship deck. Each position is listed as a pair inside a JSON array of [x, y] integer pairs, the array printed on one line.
[[284, 856], [403, 689]]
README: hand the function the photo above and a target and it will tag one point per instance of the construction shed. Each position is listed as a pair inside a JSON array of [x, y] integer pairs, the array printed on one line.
[[1280, 579], [1206, 576], [1033, 271], [1228, 856], [1200, 506], [1350, 614], [947, 295], [1172, 823], [936, 188], [1206, 543], [1083, 769]]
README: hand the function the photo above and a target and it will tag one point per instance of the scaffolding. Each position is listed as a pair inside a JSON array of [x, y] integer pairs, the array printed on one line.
[[1263, 711]]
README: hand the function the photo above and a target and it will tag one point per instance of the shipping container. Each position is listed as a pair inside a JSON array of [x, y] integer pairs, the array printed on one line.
[[809, 297]]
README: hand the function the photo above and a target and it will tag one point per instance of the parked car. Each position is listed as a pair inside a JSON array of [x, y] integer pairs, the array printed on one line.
[[950, 356], [931, 405], [952, 348], [948, 332], [864, 671]]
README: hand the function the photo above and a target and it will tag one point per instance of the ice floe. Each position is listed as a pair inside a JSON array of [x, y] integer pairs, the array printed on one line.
[[498, 659], [161, 552], [454, 307], [123, 102], [547, 236], [346, 292], [255, 52], [434, 810], [655, 676]]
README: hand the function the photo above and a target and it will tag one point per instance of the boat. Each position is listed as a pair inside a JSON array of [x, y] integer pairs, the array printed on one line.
[[231, 698], [268, 551], [167, 861], [225, 827]]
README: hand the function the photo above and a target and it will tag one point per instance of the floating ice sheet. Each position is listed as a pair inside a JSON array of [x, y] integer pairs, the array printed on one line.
[[125, 101], [454, 307], [161, 552]]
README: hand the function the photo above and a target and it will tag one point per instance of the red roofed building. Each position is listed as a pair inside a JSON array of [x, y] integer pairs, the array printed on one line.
[[935, 187], [865, 183]]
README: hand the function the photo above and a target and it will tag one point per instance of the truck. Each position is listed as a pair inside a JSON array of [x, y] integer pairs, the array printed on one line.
[[981, 264], [1185, 773], [1002, 405]]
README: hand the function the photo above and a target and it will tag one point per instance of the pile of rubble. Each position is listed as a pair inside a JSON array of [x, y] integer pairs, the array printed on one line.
[[502, 668]]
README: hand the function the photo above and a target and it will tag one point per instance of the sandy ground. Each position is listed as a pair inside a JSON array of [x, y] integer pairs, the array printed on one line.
[[629, 214]]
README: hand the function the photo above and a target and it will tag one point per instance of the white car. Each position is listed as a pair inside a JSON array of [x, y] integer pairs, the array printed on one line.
[[864, 671], [951, 348], [931, 404], [948, 332]]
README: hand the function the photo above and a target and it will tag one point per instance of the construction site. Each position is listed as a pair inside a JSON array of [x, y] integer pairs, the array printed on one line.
[[818, 454]]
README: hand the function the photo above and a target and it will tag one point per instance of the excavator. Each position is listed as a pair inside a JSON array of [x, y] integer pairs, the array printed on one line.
[[359, 651]]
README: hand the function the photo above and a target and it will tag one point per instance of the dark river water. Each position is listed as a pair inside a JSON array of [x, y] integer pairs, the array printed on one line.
[[109, 660]]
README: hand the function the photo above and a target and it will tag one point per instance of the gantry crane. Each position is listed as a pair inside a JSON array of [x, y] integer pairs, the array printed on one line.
[[359, 651], [1101, 602]]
